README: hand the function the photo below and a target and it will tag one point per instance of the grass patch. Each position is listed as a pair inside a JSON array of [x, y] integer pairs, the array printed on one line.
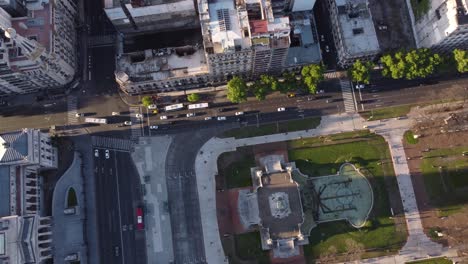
[[409, 137], [248, 247], [444, 172], [420, 7], [274, 128], [237, 174], [441, 260], [387, 112], [71, 198], [323, 156]]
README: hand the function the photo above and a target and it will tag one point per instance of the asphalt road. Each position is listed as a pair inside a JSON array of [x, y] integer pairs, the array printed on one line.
[[118, 196]]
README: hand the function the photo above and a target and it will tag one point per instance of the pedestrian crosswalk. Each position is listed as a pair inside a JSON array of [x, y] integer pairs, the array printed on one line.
[[348, 98], [72, 110], [112, 143], [335, 74], [136, 129]]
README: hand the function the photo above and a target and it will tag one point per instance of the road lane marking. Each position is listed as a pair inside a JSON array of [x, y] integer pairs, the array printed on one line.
[[120, 216]]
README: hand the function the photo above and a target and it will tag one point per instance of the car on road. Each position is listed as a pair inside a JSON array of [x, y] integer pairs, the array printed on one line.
[[79, 115], [154, 127], [139, 116], [360, 86], [155, 111], [115, 113], [208, 118], [127, 123], [96, 153], [152, 106], [310, 98], [327, 49], [107, 154], [163, 117], [281, 109], [322, 38], [239, 113], [116, 251], [320, 91], [221, 118], [291, 95], [139, 215], [190, 115]]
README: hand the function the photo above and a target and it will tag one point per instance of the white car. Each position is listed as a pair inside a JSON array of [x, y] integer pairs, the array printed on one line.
[[239, 113], [154, 127], [221, 118], [163, 117], [360, 86], [208, 118], [327, 49], [128, 123], [281, 109], [78, 115], [322, 38], [115, 113], [107, 154], [320, 91], [190, 114], [152, 106], [96, 153], [138, 116]]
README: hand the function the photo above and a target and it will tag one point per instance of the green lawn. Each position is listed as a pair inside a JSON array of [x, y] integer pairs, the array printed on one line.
[[237, 174], [420, 7], [445, 173], [274, 128], [387, 112], [432, 261], [248, 247], [324, 156], [409, 137]]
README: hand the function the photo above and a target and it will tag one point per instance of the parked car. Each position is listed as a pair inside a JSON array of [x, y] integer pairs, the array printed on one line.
[[221, 118], [107, 154], [190, 114], [154, 127], [152, 106], [115, 113], [163, 117], [360, 86], [281, 109], [127, 123], [239, 113], [208, 118]]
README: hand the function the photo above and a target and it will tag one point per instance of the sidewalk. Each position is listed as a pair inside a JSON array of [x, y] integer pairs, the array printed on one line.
[[418, 244]]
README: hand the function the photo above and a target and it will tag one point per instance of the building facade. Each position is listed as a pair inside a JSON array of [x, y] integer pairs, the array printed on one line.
[[244, 38], [38, 52], [444, 27], [353, 31]]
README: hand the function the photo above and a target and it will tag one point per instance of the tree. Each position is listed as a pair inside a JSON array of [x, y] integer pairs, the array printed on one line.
[[269, 81], [260, 90], [194, 97], [418, 63], [461, 57], [312, 75], [360, 71], [146, 101], [237, 90]]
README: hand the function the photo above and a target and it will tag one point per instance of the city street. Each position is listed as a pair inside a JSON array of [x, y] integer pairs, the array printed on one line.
[[117, 188]]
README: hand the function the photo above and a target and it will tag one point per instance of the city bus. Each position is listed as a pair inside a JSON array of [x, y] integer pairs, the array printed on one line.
[[174, 107], [198, 106]]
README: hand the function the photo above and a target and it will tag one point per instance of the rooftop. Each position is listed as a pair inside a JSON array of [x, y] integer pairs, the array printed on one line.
[[163, 64], [356, 26], [13, 146], [4, 191]]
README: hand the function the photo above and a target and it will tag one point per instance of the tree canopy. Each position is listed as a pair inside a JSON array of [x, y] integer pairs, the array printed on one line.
[[312, 75], [146, 101], [193, 97], [461, 57], [360, 71], [236, 90], [418, 63]]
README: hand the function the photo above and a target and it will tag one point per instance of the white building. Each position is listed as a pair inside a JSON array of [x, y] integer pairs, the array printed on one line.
[[25, 239], [353, 31], [444, 27], [38, 52]]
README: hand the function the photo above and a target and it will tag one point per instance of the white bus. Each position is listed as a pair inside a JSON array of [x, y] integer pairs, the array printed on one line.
[[96, 120], [198, 106], [174, 107]]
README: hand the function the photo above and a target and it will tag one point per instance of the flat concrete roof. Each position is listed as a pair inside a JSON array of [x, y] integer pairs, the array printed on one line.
[[4, 191], [287, 226]]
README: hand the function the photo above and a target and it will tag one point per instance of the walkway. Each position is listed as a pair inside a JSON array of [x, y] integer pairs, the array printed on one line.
[[418, 244], [68, 230]]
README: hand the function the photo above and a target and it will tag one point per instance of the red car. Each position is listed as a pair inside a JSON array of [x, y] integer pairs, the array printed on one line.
[[139, 214]]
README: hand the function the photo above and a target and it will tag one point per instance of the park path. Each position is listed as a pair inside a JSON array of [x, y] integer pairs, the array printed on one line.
[[418, 244]]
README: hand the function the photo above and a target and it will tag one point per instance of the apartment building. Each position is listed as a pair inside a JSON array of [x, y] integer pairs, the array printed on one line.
[[237, 38], [353, 31], [38, 51], [444, 27], [25, 235]]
